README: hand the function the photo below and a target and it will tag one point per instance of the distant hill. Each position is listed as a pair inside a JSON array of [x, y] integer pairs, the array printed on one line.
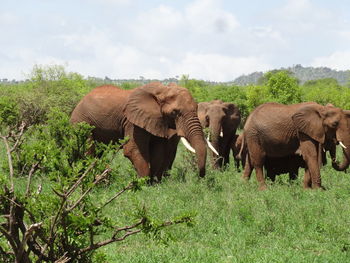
[[302, 73]]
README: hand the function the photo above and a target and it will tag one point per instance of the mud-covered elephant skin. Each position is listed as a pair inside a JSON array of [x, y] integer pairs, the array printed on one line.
[[153, 116], [221, 119], [277, 130]]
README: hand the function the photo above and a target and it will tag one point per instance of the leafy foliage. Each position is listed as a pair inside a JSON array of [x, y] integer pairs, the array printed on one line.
[[48, 209]]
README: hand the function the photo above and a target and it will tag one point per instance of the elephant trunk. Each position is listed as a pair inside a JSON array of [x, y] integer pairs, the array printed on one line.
[[192, 131], [215, 131], [344, 164], [343, 137], [215, 139]]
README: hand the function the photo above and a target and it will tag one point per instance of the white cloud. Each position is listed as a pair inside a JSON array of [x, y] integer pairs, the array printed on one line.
[[8, 19], [218, 67], [112, 2], [206, 16], [203, 38], [339, 60]]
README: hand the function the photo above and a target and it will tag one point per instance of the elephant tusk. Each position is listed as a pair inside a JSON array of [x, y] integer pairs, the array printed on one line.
[[212, 148], [221, 134], [187, 145], [342, 145]]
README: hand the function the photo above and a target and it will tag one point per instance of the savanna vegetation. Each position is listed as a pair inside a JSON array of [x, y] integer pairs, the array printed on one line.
[[57, 204]]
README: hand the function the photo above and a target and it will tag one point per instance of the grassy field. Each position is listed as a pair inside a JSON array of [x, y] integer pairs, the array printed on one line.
[[234, 221]]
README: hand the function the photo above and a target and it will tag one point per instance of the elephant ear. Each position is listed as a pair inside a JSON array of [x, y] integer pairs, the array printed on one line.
[[230, 108], [143, 110], [202, 111], [308, 120], [347, 113], [203, 106]]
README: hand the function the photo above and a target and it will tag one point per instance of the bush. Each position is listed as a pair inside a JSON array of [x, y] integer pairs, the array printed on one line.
[[47, 207]]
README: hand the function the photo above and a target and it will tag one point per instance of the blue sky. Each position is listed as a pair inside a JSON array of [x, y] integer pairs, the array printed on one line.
[[206, 39]]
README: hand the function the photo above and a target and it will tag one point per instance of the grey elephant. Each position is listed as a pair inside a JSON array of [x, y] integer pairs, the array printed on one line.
[[153, 116], [277, 130], [222, 119]]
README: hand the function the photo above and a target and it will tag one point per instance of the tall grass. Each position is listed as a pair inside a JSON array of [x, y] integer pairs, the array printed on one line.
[[237, 223]]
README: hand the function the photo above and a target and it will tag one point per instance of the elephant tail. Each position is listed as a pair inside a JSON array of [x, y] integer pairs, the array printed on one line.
[[241, 149]]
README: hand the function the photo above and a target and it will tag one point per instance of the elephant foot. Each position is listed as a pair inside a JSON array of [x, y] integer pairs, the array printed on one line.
[[319, 187], [263, 187], [245, 178]]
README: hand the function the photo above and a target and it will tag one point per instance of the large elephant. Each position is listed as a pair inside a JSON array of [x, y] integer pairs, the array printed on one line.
[[277, 130], [153, 116], [222, 119]]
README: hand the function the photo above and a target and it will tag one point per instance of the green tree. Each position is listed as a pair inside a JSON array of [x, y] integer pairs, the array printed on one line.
[[282, 87]]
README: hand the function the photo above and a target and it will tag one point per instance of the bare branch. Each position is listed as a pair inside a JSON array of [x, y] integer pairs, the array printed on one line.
[[9, 238], [19, 136], [98, 179], [26, 236], [129, 186], [31, 172], [71, 190], [9, 159], [63, 259]]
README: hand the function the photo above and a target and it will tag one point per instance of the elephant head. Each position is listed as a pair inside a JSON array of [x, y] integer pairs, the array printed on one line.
[[343, 142], [222, 119], [327, 125], [166, 110]]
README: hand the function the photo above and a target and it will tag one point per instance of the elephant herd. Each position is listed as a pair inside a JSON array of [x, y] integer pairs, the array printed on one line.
[[278, 138]]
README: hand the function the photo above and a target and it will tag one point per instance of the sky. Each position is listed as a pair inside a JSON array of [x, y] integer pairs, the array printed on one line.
[[216, 40]]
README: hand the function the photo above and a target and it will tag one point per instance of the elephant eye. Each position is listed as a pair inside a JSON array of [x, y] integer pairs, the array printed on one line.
[[174, 112], [207, 119]]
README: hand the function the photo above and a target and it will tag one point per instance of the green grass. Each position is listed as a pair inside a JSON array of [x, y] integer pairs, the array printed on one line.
[[237, 223], [234, 221]]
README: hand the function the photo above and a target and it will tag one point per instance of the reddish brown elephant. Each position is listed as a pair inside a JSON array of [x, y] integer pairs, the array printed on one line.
[[276, 130], [152, 116], [222, 119]]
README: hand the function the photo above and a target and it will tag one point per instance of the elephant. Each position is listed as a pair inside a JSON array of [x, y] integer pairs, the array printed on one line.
[[222, 119], [153, 117], [238, 153], [281, 165], [277, 130], [272, 166]]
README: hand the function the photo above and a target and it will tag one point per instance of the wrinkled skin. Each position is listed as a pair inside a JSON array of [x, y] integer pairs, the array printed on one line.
[[152, 116], [276, 130], [220, 117]]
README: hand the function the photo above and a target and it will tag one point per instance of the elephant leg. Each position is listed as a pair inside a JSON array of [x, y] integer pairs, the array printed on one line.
[[293, 174], [171, 150], [226, 154], [248, 169], [162, 155], [157, 157], [270, 174], [310, 155], [257, 159], [307, 179], [237, 164], [137, 151]]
